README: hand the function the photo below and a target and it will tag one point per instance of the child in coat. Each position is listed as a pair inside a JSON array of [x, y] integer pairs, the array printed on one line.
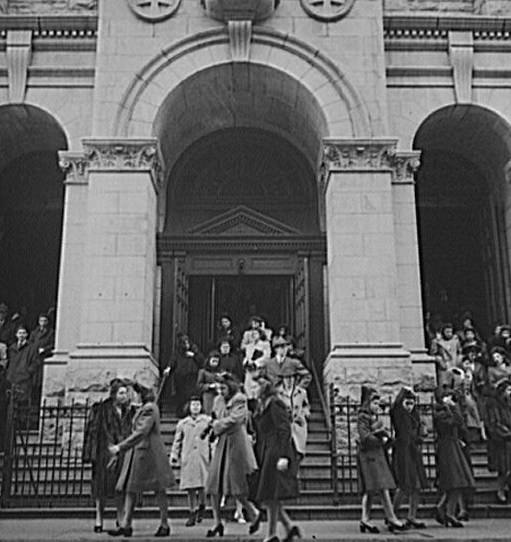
[[191, 448]]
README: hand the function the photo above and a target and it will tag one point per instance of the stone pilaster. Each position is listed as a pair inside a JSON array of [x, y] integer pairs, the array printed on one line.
[[405, 164], [118, 267], [72, 262], [364, 303]]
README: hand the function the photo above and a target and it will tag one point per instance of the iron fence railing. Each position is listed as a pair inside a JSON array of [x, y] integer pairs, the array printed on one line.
[[42, 458], [343, 419]]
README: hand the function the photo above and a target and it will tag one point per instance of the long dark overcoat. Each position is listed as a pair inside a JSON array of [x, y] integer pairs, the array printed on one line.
[[234, 459], [107, 426], [499, 429], [274, 440], [146, 465], [407, 460], [453, 470], [373, 467]]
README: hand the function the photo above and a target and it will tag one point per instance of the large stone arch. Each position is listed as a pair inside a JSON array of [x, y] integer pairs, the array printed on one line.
[[340, 102], [463, 209]]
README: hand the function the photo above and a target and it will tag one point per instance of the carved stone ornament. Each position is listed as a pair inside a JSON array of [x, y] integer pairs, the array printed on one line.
[[154, 10], [124, 155], [75, 165], [240, 10], [404, 165], [358, 154], [327, 10]]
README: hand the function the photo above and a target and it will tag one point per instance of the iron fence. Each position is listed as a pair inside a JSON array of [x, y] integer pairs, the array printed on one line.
[[42, 458], [343, 420]]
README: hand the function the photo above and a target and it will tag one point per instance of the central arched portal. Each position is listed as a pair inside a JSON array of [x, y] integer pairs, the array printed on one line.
[[240, 216]]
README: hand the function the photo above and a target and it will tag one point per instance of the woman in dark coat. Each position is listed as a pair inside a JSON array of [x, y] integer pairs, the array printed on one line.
[[407, 462], [207, 381], [373, 468], [146, 466], [234, 459], [109, 423], [185, 370], [454, 475], [278, 462], [499, 427]]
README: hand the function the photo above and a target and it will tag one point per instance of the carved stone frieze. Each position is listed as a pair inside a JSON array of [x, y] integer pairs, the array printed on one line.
[[368, 155], [75, 165], [112, 155], [358, 154], [47, 7]]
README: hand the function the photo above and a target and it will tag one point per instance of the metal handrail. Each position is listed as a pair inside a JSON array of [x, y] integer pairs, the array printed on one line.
[[319, 388]]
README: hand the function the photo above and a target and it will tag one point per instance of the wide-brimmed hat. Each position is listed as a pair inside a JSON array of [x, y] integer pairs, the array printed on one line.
[[280, 341]]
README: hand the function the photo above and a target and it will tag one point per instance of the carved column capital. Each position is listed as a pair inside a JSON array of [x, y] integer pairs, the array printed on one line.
[[404, 164], [364, 155], [124, 155], [358, 154], [75, 165]]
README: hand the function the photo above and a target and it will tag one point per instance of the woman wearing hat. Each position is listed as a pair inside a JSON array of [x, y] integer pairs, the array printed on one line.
[[447, 352], [454, 476], [373, 468], [407, 462], [145, 466], [234, 459], [499, 427], [207, 381]]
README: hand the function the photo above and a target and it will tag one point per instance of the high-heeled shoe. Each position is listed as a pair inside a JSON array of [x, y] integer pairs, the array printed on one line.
[[452, 522], [254, 526], [98, 528], [364, 526], [463, 516], [217, 530], [121, 531], [273, 538], [163, 530], [393, 526], [293, 533], [192, 518], [414, 524], [501, 497]]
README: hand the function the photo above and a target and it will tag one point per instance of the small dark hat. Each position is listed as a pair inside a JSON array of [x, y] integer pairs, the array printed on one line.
[[471, 348], [367, 394], [194, 398], [505, 327], [280, 341]]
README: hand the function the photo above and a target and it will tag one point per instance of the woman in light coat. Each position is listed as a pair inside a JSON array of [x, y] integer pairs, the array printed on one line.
[[145, 466], [192, 449], [234, 459], [296, 400]]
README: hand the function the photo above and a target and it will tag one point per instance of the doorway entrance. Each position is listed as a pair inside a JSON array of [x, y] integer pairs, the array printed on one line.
[[240, 297]]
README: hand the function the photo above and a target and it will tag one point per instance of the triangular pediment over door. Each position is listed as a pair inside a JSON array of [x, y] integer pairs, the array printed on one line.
[[244, 222]]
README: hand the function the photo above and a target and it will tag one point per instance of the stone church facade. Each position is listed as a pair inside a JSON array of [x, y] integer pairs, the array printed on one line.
[[341, 166]]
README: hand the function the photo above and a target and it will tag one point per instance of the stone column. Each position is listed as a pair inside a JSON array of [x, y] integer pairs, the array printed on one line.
[[364, 302], [119, 268], [75, 165], [408, 268]]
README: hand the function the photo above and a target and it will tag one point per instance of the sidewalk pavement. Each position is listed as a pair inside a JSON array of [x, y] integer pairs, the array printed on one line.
[[80, 530]]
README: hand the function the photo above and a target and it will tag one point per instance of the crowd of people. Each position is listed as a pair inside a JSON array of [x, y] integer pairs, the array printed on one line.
[[23, 350], [472, 404], [242, 433]]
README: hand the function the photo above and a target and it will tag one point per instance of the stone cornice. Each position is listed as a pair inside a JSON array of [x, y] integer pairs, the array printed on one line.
[[124, 154], [75, 165], [436, 25], [56, 26]]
